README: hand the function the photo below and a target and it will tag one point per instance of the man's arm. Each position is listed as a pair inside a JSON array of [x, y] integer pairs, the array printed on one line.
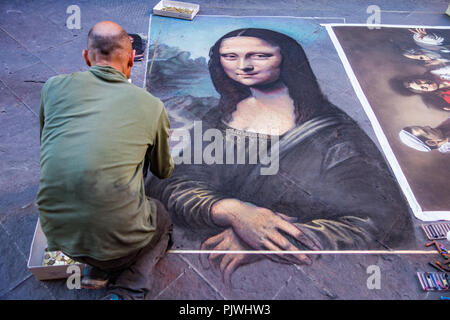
[[161, 162]]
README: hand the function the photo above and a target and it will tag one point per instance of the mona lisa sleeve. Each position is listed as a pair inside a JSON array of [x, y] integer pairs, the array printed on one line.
[[190, 193], [362, 204]]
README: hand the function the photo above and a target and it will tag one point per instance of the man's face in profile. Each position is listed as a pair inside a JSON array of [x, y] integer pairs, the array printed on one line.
[[250, 61]]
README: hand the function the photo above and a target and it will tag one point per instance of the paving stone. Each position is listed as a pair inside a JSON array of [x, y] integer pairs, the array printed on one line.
[[19, 147], [30, 289], [27, 83], [18, 7], [189, 286], [16, 197], [20, 224], [13, 56], [33, 31], [254, 281], [360, 6], [345, 277], [56, 12], [66, 58], [13, 263], [260, 281], [166, 272], [301, 287]]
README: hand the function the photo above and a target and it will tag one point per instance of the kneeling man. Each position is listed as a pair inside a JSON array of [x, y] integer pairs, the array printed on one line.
[[99, 136]]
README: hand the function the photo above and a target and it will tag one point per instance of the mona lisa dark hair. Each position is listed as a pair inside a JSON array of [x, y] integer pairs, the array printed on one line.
[[295, 73]]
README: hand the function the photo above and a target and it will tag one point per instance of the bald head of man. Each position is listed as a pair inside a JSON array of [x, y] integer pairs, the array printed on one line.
[[109, 45]]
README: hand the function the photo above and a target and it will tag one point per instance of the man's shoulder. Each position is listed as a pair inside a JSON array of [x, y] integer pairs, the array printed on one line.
[[61, 78], [54, 80], [143, 94], [148, 102]]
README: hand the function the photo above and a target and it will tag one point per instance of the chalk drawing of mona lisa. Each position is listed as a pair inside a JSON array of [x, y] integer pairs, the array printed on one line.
[[332, 190]]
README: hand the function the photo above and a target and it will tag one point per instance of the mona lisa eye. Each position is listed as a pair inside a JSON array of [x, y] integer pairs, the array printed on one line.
[[261, 56], [229, 56]]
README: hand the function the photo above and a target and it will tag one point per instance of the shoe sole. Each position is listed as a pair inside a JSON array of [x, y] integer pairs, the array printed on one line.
[[94, 284]]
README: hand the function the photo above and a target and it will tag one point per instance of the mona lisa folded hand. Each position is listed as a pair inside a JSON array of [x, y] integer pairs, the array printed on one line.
[[262, 229]]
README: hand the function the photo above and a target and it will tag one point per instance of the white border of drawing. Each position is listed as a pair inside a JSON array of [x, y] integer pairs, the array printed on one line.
[[147, 46], [417, 210]]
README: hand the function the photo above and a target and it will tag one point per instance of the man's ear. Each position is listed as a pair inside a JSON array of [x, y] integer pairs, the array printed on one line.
[[86, 58], [131, 58]]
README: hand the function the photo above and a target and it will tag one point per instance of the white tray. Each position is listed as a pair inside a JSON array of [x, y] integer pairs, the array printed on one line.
[[158, 9], [36, 258]]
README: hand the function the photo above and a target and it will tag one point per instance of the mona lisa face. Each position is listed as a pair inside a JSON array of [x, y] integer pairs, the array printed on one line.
[[250, 61]]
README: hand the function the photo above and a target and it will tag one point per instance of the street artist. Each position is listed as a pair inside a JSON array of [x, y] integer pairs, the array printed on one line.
[[99, 136]]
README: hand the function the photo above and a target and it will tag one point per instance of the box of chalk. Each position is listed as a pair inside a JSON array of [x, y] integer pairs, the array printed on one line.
[[176, 9]]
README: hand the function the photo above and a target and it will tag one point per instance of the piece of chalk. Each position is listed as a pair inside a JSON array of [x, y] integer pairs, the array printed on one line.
[[448, 236]]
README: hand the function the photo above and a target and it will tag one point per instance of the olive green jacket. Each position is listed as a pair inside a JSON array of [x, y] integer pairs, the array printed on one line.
[[97, 131]]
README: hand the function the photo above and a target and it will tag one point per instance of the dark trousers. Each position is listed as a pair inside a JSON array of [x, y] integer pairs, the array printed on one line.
[[132, 272]]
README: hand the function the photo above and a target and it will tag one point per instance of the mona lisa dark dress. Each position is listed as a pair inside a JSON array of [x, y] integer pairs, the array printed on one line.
[[331, 178]]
